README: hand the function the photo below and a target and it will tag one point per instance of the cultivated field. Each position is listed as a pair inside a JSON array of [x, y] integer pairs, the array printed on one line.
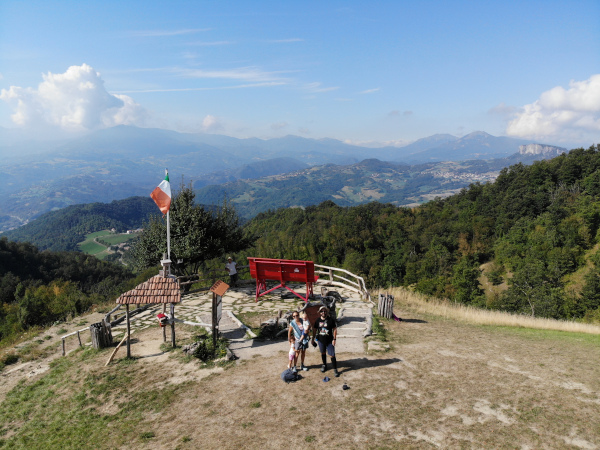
[[92, 247], [443, 383]]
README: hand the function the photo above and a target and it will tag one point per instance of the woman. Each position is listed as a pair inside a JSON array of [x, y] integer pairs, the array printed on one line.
[[300, 329]]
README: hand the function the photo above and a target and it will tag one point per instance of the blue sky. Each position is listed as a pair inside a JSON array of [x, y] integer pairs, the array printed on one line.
[[386, 72]]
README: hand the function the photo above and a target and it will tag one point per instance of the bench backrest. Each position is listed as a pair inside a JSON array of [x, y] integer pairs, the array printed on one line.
[[282, 270]]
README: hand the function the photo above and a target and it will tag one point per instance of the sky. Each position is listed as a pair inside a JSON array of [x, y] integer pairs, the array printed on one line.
[[367, 73]]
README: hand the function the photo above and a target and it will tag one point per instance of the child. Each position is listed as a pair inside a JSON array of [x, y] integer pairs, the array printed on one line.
[[292, 353], [305, 328]]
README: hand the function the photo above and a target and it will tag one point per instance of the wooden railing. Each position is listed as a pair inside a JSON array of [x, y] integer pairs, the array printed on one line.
[[348, 280], [328, 276]]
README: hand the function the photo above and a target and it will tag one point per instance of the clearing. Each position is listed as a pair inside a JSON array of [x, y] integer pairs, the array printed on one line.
[[439, 384]]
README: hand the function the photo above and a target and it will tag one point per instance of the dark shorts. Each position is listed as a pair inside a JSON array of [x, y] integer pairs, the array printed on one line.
[[329, 348]]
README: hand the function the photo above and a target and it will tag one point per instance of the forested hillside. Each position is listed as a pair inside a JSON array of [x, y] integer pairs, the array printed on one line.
[[38, 288], [537, 225], [61, 230]]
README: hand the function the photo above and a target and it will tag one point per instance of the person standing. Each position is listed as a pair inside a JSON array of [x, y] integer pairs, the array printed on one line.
[[299, 329], [231, 267], [325, 331]]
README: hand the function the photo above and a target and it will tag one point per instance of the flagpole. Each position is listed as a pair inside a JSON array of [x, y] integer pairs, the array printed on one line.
[[168, 231], [168, 237]]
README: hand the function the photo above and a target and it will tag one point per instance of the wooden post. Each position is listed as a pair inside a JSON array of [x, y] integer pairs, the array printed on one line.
[[164, 329], [63, 346], [128, 331], [115, 350], [101, 335], [173, 324], [385, 307], [214, 319], [79, 337]]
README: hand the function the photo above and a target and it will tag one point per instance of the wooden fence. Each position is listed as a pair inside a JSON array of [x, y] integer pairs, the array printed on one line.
[[342, 278]]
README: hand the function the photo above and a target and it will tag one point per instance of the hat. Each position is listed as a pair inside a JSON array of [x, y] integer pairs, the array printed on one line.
[[323, 308], [229, 257]]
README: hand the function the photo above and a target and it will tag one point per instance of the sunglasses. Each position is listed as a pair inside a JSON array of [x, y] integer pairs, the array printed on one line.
[[294, 315]]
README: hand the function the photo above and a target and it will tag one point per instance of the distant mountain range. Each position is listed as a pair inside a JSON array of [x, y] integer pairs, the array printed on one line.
[[369, 180], [124, 161], [349, 185]]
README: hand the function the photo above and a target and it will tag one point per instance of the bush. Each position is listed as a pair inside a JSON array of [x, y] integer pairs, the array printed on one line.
[[8, 359], [205, 351]]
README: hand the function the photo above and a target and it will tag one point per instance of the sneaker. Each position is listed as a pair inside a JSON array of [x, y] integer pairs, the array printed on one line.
[[323, 367], [336, 373], [304, 368], [294, 369]]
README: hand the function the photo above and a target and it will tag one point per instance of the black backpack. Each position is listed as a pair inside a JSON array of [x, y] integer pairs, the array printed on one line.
[[289, 376]]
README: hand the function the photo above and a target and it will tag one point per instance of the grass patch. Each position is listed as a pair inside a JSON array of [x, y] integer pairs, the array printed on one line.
[[255, 405], [455, 311], [63, 408], [379, 331], [91, 248], [542, 335]]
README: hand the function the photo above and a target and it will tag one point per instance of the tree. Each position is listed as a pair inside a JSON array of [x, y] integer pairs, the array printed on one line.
[[197, 235], [466, 282]]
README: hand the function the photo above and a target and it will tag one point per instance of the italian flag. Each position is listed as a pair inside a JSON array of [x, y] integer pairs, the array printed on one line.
[[162, 195]]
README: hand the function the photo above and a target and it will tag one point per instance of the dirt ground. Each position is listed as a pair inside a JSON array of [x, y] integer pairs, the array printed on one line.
[[442, 384]]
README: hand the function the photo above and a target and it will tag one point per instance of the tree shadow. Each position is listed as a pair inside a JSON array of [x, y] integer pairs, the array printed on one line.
[[414, 321], [364, 363]]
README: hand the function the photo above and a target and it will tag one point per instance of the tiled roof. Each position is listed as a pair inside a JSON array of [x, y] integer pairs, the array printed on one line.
[[156, 290]]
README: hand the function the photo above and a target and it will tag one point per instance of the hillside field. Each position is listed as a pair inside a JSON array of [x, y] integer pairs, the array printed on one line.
[[92, 247], [443, 383]]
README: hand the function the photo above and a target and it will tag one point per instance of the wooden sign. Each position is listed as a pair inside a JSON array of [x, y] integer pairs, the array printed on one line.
[[219, 288]]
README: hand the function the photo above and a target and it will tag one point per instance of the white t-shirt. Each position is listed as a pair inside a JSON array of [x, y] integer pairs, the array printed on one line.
[[231, 267]]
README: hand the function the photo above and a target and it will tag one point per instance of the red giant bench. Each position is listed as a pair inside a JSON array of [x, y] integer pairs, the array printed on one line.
[[284, 271]]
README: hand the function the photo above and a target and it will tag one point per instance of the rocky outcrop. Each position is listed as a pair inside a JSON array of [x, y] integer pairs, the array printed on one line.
[[540, 149]]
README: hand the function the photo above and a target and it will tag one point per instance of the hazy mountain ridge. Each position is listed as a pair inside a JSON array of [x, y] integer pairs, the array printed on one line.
[[350, 185], [122, 161]]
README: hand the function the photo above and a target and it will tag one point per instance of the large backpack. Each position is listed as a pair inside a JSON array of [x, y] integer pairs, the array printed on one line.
[[289, 376]]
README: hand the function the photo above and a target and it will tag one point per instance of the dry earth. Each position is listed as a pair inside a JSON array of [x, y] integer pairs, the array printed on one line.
[[442, 384]]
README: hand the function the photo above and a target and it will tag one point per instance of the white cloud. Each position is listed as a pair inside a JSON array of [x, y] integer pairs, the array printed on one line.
[[370, 91], [284, 41], [211, 124], [210, 44], [316, 87], [251, 74], [562, 114], [396, 113], [278, 126], [75, 100], [503, 110], [378, 144], [161, 33]]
